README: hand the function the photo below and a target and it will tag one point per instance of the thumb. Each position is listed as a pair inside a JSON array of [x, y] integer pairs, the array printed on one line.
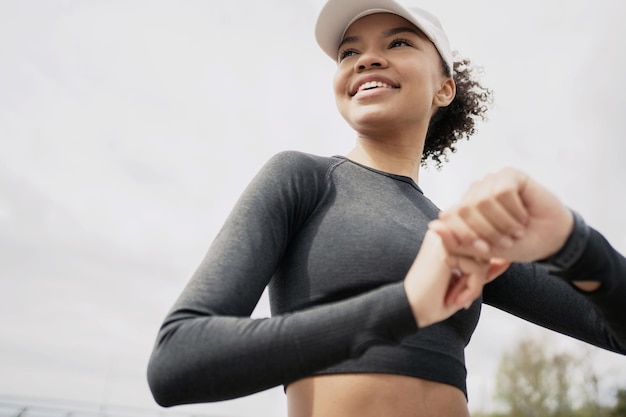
[[497, 266], [447, 236]]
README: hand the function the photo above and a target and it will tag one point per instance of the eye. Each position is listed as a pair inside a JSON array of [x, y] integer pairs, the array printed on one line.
[[399, 42], [346, 53]]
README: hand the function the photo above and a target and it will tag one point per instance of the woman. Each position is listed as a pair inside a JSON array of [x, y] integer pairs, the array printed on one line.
[[371, 309]]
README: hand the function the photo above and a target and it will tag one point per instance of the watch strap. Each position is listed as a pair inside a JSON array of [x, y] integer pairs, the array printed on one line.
[[572, 250]]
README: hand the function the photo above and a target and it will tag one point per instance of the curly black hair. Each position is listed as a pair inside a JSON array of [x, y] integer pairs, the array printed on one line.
[[456, 121]]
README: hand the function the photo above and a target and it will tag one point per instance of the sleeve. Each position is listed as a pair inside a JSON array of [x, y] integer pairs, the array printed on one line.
[[209, 349], [548, 299]]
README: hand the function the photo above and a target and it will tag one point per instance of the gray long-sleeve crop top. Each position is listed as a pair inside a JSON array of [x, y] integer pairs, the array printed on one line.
[[334, 240]]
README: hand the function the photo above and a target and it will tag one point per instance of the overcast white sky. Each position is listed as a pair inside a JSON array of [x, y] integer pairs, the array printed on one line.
[[129, 128]]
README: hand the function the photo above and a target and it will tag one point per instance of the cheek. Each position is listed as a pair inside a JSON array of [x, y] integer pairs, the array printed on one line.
[[337, 84], [340, 82], [339, 90]]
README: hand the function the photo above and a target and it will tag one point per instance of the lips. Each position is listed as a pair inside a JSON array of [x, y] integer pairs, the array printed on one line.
[[371, 82]]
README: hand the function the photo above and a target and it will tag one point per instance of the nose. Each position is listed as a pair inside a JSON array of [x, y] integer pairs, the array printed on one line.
[[369, 60]]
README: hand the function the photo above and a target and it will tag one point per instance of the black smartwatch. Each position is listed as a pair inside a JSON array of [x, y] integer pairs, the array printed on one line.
[[572, 250]]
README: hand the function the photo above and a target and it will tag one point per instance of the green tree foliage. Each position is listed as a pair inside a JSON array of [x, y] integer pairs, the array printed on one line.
[[533, 382], [620, 408]]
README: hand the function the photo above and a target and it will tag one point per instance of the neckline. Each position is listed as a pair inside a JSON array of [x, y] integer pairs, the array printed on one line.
[[398, 177]]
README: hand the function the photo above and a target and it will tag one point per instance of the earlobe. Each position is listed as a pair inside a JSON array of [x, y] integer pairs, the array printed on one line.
[[446, 93]]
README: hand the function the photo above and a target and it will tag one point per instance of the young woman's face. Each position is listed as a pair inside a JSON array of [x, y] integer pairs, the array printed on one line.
[[388, 73]]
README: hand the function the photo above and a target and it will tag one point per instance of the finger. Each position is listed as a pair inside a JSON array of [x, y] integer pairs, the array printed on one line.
[[470, 291], [495, 223], [514, 205], [470, 284], [484, 221], [448, 238], [455, 287], [497, 266], [458, 237], [498, 196]]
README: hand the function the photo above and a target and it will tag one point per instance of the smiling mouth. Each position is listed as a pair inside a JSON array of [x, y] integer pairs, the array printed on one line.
[[370, 85]]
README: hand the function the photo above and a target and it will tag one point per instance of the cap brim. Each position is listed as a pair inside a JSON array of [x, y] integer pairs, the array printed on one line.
[[337, 15]]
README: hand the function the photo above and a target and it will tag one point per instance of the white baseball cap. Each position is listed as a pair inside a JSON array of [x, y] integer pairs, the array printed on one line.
[[337, 15]]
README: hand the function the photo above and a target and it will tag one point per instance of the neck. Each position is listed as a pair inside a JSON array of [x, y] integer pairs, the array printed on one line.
[[398, 156]]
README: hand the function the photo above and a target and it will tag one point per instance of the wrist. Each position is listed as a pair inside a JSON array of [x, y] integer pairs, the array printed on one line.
[[413, 304], [571, 250]]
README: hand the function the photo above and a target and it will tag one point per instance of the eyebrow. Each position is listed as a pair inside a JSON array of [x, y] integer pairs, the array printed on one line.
[[386, 34]]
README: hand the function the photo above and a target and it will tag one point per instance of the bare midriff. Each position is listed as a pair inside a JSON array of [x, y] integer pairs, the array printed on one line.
[[373, 395]]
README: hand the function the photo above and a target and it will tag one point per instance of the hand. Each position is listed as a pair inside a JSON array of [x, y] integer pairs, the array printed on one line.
[[439, 284], [506, 215]]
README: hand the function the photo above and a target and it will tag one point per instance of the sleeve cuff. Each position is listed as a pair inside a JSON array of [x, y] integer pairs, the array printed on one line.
[[572, 250]]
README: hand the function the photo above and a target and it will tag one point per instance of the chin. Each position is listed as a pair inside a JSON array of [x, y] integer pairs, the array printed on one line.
[[371, 118]]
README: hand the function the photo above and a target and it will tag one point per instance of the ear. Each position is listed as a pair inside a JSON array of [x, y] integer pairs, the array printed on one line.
[[446, 93]]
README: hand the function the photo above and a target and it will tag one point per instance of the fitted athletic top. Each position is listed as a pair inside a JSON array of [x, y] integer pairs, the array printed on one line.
[[334, 240]]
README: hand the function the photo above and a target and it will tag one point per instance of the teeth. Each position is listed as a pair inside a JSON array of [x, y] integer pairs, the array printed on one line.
[[373, 84]]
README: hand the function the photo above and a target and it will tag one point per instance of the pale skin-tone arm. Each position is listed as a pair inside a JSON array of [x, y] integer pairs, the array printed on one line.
[[507, 215]]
